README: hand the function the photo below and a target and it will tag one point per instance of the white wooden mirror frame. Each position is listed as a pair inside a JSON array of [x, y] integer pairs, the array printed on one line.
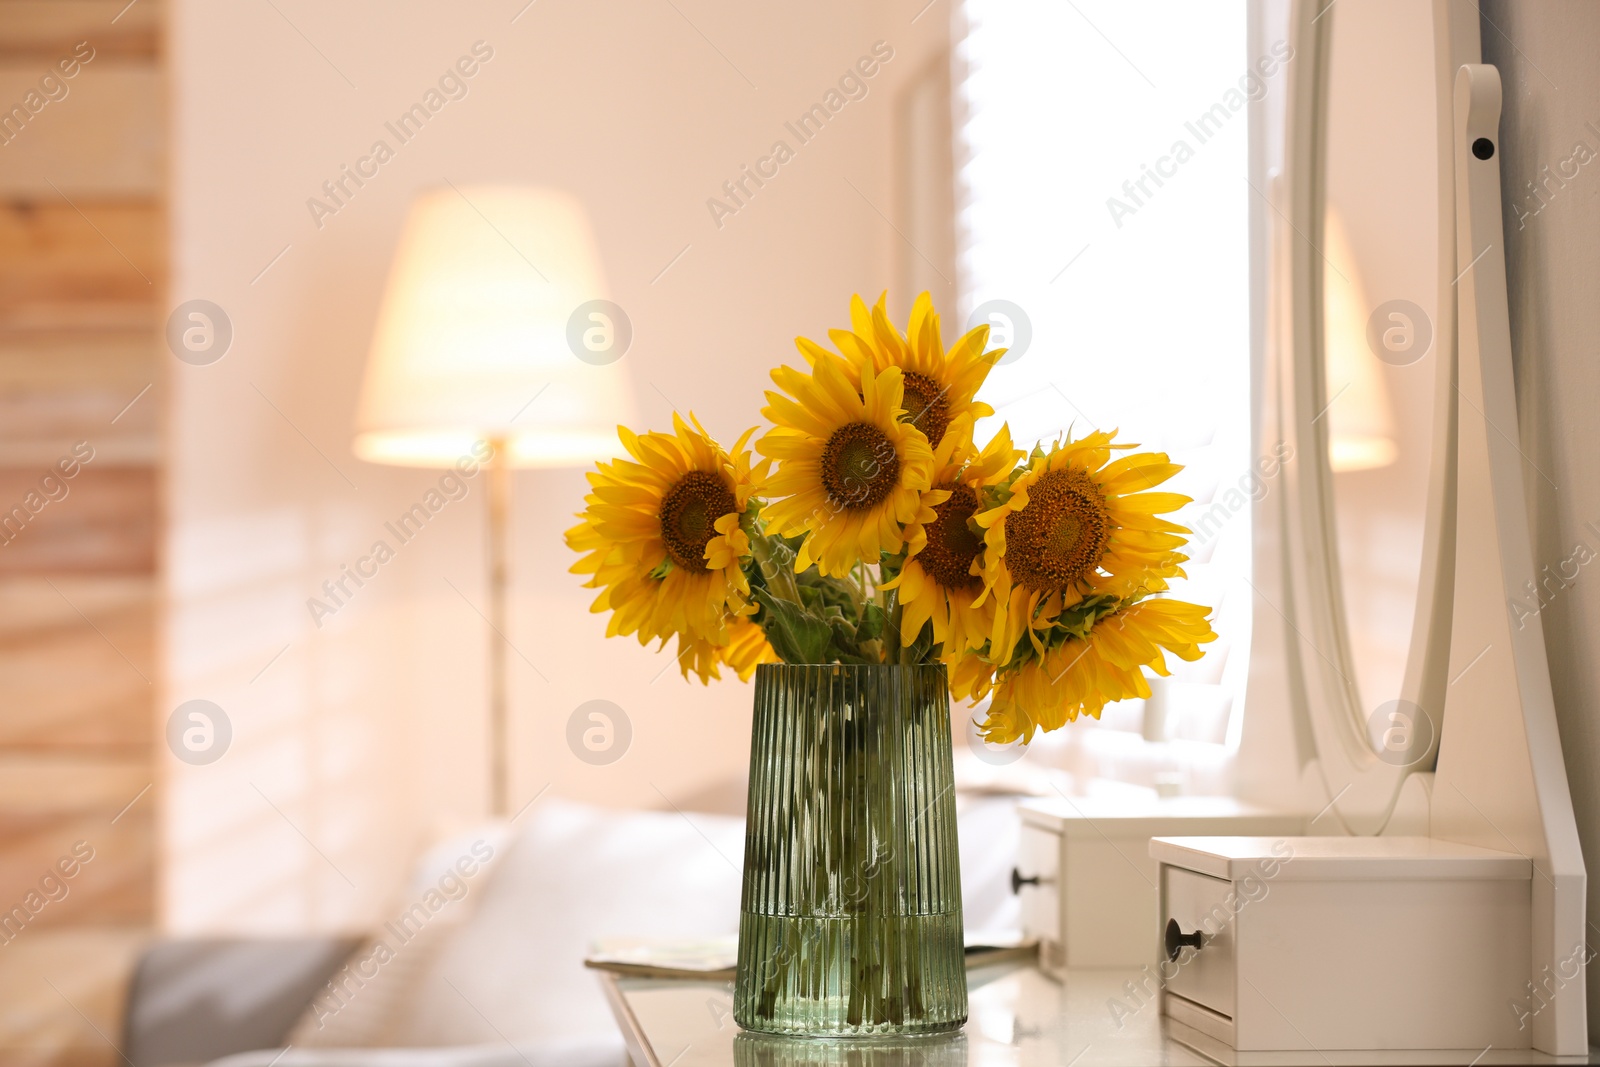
[[1495, 776], [1301, 588]]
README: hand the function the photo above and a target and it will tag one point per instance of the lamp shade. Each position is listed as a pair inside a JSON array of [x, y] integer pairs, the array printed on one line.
[[490, 329], [1361, 434]]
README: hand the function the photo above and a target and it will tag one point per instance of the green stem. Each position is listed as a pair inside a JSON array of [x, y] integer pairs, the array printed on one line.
[[896, 611], [779, 575]]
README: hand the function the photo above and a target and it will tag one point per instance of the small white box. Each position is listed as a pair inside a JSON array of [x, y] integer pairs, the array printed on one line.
[[1086, 880], [1344, 943]]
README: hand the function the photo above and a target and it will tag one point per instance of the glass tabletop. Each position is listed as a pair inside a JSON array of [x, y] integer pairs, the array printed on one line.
[[1018, 1017]]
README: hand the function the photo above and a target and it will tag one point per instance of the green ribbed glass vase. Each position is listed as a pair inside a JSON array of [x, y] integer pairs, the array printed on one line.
[[850, 921]]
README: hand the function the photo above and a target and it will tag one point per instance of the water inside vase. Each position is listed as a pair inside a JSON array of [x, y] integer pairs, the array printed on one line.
[[857, 975], [850, 921]]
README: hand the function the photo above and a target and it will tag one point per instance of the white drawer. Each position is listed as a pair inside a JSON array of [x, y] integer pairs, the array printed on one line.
[[1038, 883], [1322, 943], [1105, 880], [1199, 903]]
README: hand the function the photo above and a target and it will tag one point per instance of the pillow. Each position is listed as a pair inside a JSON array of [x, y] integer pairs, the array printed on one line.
[[360, 1004], [192, 1000]]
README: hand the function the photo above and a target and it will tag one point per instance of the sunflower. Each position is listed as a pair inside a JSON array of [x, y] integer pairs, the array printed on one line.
[[747, 648], [1076, 524], [939, 386], [942, 580], [971, 676], [851, 476], [661, 535], [1083, 675]]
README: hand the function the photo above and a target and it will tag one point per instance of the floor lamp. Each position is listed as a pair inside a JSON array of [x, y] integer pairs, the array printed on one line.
[[489, 353]]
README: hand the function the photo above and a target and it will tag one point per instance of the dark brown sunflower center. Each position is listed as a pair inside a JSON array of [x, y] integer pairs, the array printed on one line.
[[927, 406], [859, 466], [689, 514], [1060, 537], [952, 546]]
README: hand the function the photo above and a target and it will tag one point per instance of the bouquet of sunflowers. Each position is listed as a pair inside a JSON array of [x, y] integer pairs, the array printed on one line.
[[875, 529]]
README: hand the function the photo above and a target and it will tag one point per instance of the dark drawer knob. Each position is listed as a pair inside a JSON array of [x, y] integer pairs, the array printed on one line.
[[1017, 881], [1176, 939]]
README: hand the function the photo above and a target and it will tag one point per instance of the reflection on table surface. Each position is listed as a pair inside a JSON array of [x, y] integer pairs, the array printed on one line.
[[1018, 1017]]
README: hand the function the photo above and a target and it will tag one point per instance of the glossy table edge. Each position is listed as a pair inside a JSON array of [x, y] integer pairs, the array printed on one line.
[[634, 1038], [642, 1054]]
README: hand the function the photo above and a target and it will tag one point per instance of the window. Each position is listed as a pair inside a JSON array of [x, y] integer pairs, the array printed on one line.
[[1103, 230]]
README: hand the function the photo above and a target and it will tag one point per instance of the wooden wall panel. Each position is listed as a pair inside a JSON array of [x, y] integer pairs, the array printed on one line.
[[124, 361], [77, 684], [46, 603], [87, 265], [58, 389], [76, 742], [46, 787], [105, 524], [87, 967], [82, 293], [104, 137], [40, 427], [114, 887], [47, 28]]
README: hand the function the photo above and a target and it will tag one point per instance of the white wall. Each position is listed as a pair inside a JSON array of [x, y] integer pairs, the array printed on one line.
[[366, 734], [1545, 53]]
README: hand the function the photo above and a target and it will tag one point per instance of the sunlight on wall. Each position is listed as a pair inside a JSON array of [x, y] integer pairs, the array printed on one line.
[[294, 827]]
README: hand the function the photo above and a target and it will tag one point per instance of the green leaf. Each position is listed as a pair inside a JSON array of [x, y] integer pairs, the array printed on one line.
[[873, 621], [845, 646], [831, 591], [796, 635]]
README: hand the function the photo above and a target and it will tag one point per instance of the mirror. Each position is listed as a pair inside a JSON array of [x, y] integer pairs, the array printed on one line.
[[1380, 255], [1360, 385]]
